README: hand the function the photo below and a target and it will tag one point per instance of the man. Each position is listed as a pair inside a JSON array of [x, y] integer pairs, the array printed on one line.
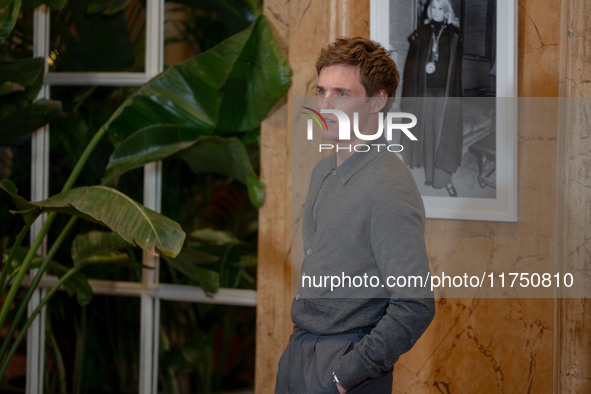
[[363, 218]]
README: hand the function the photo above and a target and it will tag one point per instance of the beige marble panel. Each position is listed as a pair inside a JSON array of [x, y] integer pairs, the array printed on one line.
[[274, 217], [476, 345], [539, 26], [573, 202]]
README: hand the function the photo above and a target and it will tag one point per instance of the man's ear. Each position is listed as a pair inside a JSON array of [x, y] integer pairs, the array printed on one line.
[[378, 101]]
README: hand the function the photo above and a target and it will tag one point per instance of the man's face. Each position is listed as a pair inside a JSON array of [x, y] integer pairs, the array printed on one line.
[[339, 87]]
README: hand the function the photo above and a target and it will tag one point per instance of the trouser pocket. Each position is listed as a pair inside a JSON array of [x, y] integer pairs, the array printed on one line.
[[327, 350]]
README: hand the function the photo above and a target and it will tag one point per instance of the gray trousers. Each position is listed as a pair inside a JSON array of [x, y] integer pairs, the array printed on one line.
[[306, 365]]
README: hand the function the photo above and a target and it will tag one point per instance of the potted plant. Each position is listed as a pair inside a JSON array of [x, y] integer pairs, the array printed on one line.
[[193, 111]]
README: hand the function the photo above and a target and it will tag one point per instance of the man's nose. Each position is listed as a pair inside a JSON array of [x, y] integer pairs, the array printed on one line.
[[326, 101]]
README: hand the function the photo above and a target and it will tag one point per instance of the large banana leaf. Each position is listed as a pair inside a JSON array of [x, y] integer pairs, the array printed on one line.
[[149, 144], [229, 88], [132, 221], [209, 154]]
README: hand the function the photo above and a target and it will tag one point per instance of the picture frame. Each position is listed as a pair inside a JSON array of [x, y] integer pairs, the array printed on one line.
[[486, 180]]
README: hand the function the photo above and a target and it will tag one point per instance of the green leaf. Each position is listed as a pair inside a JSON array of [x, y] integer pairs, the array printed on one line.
[[195, 353], [183, 95], [247, 68], [21, 81], [8, 87], [8, 186], [23, 121], [214, 236], [225, 156], [149, 144], [96, 243], [132, 221], [8, 15], [77, 284], [259, 78], [21, 204], [23, 71], [247, 261], [189, 262], [229, 88], [256, 191], [18, 259]]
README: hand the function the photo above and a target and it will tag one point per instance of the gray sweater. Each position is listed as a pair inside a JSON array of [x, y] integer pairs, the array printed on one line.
[[363, 223]]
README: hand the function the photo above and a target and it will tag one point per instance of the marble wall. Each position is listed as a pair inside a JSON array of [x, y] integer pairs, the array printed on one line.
[[473, 345], [495, 345], [502, 345], [573, 199]]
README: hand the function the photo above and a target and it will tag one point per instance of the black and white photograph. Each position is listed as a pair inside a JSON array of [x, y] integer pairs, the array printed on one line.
[[461, 87]]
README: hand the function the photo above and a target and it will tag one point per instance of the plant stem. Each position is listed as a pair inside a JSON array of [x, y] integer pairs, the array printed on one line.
[[84, 158], [17, 244], [24, 268], [34, 314], [44, 265], [42, 233], [57, 356]]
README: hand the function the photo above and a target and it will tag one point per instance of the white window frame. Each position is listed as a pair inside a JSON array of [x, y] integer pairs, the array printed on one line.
[[149, 290]]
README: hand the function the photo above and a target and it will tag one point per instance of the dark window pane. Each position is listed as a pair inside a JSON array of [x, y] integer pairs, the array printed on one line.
[[206, 348], [97, 41], [221, 224], [97, 345]]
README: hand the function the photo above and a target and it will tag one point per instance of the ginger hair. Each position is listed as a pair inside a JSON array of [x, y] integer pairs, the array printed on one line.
[[377, 70]]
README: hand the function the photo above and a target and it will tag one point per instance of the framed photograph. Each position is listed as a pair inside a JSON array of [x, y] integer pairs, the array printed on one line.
[[458, 74]]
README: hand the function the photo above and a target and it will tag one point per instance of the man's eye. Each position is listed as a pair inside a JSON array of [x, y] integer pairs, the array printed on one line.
[[321, 92], [342, 94]]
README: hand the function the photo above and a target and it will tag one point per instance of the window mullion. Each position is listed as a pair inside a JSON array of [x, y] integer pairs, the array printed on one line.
[[39, 191], [96, 78], [150, 306]]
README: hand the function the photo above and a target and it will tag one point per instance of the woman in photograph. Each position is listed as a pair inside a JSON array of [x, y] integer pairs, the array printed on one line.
[[433, 69]]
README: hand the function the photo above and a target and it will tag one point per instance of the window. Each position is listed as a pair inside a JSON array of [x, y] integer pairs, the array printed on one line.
[[93, 77]]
